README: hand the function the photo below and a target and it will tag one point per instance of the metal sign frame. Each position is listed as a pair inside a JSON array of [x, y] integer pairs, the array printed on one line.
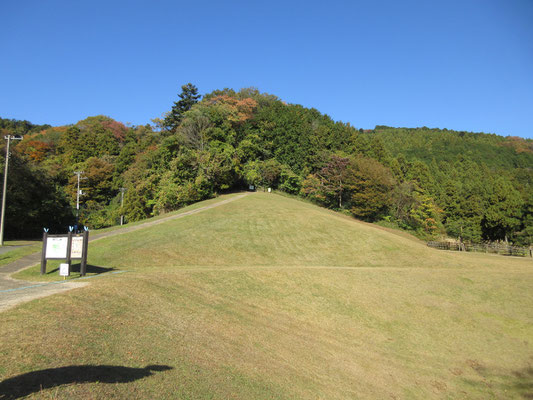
[[68, 256]]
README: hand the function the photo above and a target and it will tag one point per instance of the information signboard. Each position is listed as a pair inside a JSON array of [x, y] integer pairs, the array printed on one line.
[[67, 247], [56, 247], [76, 249]]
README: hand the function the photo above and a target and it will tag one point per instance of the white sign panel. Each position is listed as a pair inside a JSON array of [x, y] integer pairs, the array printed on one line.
[[76, 247], [64, 270], [56, 247]]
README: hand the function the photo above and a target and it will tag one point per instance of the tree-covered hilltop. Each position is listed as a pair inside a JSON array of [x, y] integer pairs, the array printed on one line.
[[445, 145], [430, 181], [16, 127]]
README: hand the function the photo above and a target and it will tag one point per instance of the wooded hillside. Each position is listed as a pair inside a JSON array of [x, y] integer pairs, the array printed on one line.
[[432, 182]]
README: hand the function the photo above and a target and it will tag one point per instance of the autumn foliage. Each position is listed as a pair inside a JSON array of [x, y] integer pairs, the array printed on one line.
[[238, 110], [429, 181]]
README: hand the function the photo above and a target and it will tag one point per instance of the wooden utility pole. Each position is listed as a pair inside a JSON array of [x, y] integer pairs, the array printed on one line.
[[4, 193], [122, 190], [78, 173]]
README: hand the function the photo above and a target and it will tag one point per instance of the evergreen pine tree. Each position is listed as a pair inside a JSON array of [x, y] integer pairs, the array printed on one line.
[[188, 97]]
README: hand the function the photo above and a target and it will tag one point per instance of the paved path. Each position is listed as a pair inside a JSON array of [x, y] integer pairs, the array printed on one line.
[[14, 291], [5, 249]]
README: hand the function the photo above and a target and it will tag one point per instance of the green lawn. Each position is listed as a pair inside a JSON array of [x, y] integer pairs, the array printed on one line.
[[268, 297], [29, 247], [53, 266]]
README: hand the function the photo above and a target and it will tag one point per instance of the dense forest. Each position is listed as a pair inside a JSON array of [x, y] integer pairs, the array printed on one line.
[[432, 182]]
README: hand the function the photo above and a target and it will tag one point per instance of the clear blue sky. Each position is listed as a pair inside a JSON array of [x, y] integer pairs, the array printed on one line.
[[464, 65]]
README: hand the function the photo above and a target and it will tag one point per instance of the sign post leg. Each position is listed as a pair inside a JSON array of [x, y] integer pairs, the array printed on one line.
[[85, 247], [69, 250], [43, 254]]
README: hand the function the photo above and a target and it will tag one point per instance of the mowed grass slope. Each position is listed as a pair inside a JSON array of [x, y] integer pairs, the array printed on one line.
[[268, 297]]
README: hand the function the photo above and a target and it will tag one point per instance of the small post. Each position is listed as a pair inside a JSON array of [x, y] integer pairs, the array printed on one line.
[[69, 249], [43, 253], [85, 247]]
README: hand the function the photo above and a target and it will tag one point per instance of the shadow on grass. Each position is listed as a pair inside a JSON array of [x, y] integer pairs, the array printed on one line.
[[32, 382], [524, 382], [91, 269], [518, 383]]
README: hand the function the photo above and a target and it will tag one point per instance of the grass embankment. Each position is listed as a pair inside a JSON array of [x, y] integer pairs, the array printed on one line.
[[267, 297], [52, 267], [28, 247], [166, 215]]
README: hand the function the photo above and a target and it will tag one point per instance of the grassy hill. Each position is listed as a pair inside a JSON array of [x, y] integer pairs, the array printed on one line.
[[273, 298]]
